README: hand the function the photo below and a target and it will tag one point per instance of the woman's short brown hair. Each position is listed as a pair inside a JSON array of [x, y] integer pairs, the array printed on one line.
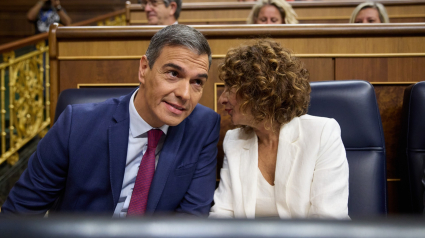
[[270, 83]]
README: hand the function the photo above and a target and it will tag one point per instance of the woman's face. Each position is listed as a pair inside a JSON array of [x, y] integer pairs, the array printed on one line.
[[368, 15], [269, 14], [231, 105]]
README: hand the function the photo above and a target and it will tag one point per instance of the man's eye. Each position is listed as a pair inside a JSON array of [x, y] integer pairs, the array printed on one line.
[[199, 82], [173, 73]]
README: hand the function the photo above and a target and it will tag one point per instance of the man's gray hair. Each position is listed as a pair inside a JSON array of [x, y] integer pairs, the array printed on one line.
[[178, 35], [178, 9]]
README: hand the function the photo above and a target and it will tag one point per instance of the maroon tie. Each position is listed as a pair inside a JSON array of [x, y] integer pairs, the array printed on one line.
[[139, 198]]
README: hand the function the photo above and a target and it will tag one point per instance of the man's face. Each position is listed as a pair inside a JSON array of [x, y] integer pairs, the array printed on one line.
[[158, 14], [171, 89]]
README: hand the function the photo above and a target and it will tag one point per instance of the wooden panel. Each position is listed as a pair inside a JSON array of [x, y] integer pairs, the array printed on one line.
[[320, 69], [396, 69], [81, 49], [369, 69], [73, 73]]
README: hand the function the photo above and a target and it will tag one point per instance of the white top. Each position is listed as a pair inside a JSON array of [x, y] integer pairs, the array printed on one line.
[[137, 146], [266, 201]]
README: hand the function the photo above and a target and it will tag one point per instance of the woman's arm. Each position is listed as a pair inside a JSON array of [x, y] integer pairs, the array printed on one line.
[[329, 190]]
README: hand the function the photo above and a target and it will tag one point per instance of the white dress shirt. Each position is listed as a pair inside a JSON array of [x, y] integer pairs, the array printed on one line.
[[137, 146]]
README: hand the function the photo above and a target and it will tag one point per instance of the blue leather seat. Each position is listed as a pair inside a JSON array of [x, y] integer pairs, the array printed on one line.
[[353, 105], [87, 95], [413, 145]]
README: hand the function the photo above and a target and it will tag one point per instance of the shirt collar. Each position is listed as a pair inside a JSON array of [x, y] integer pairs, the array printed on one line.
[[138, 126]]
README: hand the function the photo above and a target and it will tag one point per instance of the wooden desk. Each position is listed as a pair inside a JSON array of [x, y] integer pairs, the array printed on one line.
[[308, 12], [390, 56]]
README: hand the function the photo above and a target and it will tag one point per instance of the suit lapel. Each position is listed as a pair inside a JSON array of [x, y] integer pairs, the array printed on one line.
[[118, 143], [288, 151], [248, 174], [166, 160]]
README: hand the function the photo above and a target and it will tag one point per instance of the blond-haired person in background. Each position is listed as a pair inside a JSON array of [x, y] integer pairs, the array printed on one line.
[[272, 12], [369, 12]]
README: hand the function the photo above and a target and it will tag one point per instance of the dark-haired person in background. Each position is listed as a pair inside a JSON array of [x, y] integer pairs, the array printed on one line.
[[162, 12], [46, 12], [151, 151], [280, 162]]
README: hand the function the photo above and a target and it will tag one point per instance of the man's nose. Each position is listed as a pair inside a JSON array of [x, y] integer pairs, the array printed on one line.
[[148, 8], [183, 90], [269, 21]]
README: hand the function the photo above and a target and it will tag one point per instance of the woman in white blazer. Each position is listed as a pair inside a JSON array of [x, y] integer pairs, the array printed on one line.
[[280, 162]]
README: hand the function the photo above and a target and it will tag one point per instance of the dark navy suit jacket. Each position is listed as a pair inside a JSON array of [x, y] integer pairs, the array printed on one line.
[[79, 165]]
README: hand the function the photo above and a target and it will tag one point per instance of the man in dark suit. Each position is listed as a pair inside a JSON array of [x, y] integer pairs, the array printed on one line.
[[95, 154]]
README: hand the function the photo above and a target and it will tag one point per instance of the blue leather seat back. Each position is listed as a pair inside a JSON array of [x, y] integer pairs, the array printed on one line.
[[413, 144], [87, 95], [353, 105]]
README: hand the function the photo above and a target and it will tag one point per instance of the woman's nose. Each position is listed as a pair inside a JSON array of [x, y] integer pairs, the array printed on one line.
[[223, 98]]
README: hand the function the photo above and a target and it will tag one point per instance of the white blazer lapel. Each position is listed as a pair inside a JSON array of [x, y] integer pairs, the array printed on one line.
[[248, 175], [287, 152]]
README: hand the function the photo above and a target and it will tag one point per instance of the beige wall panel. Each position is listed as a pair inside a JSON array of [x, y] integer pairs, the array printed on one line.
[[103, 48]]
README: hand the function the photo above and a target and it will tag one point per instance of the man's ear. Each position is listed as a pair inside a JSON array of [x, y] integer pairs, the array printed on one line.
[[143, 68], [173, 8]]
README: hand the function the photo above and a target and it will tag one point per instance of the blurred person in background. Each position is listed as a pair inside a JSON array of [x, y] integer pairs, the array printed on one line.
[[46, 12], [369, 12], [272, 12], [162, 12], [280, 162]]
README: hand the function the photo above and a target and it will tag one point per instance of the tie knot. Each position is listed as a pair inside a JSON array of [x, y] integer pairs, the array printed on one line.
[[153, 137]]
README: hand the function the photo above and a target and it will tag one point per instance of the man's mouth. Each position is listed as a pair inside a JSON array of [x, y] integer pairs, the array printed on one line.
[[151, 15], [228, 111], [174, 108]]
